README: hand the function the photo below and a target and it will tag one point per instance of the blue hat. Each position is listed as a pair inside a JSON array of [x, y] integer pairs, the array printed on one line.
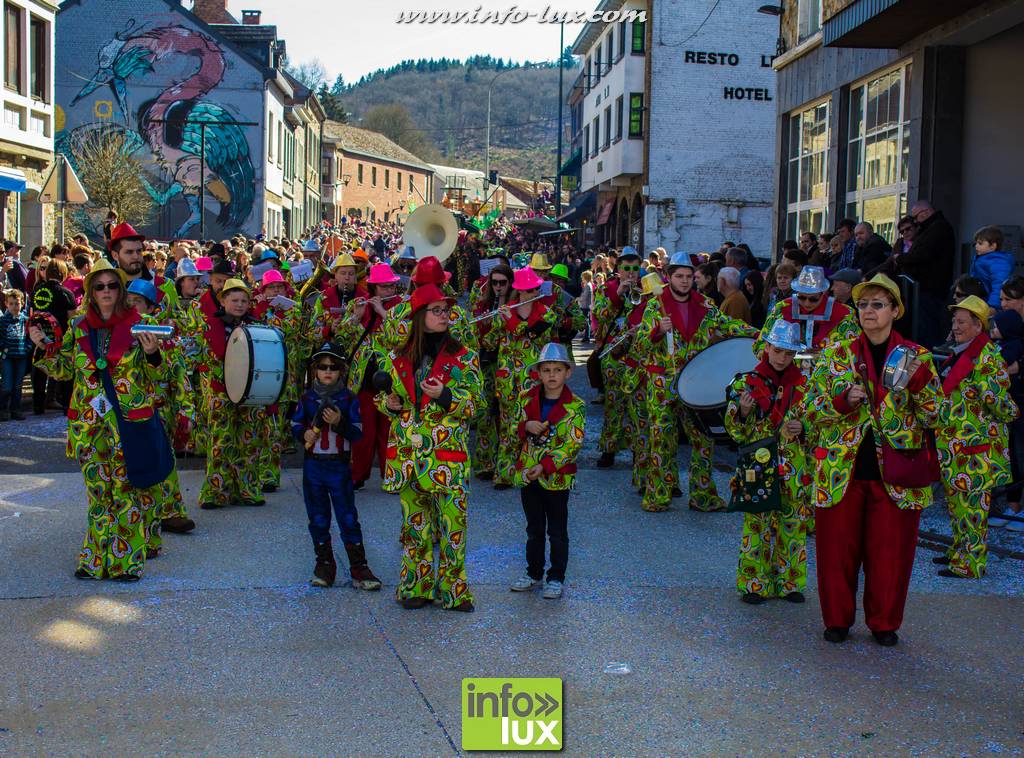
[[310, 246], [629, 252], [811, 281], [269, 255], [143, 288], [785, 335], [678, 260]]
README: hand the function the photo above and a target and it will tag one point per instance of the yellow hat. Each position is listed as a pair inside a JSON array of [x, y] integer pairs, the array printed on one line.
[[539, 262], [235, 284], [344, 260], [104, 265], [881, 281], [652, 285], [977, 306]]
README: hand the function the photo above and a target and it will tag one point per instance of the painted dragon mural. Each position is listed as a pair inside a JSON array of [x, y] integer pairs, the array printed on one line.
[[169, 124]]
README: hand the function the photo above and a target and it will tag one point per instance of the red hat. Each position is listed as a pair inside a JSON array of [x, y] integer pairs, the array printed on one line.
[[428, 271], [124, 231], [425, 295]]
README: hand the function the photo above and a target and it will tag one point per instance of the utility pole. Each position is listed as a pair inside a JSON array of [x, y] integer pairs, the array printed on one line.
[[561, 98]]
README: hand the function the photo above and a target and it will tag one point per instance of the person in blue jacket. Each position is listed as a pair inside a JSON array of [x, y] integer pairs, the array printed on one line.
[[326, 421], [991, 265]]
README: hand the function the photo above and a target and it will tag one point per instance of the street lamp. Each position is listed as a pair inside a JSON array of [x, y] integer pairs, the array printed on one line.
[[770, 10], [487, 148]]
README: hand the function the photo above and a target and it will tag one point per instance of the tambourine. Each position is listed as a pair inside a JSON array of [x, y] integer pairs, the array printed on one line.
[[896, 372], [164, 332]]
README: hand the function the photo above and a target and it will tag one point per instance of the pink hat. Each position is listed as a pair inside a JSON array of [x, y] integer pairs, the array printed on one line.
[[273, 276], [526, 279], [381, 273], [204, 263]]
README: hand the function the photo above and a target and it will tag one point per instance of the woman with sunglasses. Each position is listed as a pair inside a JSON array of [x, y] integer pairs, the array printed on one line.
[[518, 331], [435, 389], [115, 382], [873, 475], [497, 293]]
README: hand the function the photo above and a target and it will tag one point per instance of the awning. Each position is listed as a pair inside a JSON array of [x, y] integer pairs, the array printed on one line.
[[11, 180], [889, 23], [572, 165], [606, 212], [582, 205]]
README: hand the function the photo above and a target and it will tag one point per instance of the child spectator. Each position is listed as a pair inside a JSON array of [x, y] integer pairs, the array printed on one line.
[[16, 349], [967, 285], [1008, 332], [991, 265], [551, 432], [326, 421]]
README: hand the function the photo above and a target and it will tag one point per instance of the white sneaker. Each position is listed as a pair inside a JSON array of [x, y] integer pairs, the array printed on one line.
[[525, 583], [552, 590]]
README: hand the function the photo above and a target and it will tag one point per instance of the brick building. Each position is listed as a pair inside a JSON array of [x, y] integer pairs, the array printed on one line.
[[366, 175], [672, 126]]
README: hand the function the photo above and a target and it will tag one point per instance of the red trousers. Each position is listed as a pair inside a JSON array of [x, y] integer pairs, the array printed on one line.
[[376, 427], [865, 529]]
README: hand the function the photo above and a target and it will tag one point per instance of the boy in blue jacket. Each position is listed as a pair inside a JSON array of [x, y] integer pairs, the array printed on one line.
[[326, 421], [991, 265]]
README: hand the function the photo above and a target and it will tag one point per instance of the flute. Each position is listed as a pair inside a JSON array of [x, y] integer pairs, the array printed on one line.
[[496, 311]]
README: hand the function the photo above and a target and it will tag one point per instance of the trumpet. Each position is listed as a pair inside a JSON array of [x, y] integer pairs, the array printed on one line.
[[633, 294], [618, 341], [496, 311]]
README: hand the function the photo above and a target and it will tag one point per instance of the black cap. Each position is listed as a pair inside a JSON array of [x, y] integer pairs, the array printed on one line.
[[330, 348], [216, 249], [8, 244], [221, 266]]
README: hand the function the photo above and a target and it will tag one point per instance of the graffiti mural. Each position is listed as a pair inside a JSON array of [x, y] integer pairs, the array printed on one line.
[[183, 67]]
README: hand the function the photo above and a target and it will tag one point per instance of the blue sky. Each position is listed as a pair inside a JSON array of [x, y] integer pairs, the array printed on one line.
[[355, 37]]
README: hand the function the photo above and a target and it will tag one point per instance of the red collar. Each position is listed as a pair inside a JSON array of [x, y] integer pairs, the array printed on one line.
[[120, 326], [332, 298], [865, 364], [695, 311], [825, 317], [776, 393], [963, 363], [536, 314], [441, 369], [557, 412]]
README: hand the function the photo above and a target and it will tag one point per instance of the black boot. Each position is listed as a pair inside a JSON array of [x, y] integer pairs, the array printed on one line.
[[607, 460], [325, 569], [362, 577]]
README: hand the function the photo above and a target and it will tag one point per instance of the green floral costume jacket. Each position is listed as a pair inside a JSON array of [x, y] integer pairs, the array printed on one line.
[[557, 449], [830, 323], [397, 327], [902, 417]]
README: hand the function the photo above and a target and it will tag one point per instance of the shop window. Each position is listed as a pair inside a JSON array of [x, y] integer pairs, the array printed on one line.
[[806, 171]]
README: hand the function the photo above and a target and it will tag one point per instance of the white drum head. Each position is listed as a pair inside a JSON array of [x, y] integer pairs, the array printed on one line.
[[238, 365], [702, 384]]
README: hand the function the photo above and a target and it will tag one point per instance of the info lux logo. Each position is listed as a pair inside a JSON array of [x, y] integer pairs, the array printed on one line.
[[511, 714]]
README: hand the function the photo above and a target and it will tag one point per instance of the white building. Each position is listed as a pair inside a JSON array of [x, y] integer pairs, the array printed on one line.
[[27, 128], [673, 122]]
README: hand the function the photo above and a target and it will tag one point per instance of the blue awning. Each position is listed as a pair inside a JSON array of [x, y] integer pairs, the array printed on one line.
[[11, 180]]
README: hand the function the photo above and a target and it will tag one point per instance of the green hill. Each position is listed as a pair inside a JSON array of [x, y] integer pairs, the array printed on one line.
[[447, 100]]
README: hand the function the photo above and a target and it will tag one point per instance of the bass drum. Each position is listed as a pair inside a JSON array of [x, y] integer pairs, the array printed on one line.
[[255, 365], [702, 384]]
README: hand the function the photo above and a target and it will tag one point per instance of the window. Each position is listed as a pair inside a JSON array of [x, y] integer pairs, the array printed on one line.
[[622, 38], [412, 183], [325, 169], [639, 37], [38, 57], [636, 113], [398, 179], [879, 150], [597, 63], [609, 47], [12, 47], [597, 134], [618, 118], [359, 173], [373, 176], [280, 143], [270, 138], [809, 18], [586, 142], [387, 178], [806, 171], [588, 69], [607, 128]]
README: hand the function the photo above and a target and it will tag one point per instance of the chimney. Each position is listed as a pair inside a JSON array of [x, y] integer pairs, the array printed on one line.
[[251, 18], [213, 11]]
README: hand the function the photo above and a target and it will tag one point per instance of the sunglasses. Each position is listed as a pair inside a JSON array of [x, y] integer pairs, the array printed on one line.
[[328, 367], [875, 305], [439, 311], [499, 282], [808, 298], [112, 286], [628, 269]]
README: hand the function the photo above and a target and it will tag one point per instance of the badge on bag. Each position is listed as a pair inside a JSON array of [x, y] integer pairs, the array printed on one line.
[[101, 405], [417, 441]]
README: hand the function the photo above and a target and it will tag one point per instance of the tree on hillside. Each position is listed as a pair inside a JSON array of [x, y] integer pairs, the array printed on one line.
[[312, 73], [395, 123], [331, 104]]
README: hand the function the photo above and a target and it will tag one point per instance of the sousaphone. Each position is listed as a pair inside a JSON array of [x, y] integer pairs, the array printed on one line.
[[431, 230]]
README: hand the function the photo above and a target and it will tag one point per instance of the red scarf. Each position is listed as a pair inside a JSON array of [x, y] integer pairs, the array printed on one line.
[[773, 392], [963, 363], [120, 326], [865, 364]]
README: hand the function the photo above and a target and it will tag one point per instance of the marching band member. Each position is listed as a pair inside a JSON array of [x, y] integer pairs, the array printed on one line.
[[762, 404], [126, 247], [568, 314], [973, 440], [186, 315], [550, 427], [176, 406], [478, 290], [435, 388], [873, 475], [113, 431], [676, 326], [397, 326], [220, 271], [613, 304], [360, 331], [329, 310], [517, 332], [496, 294], [232, 473], [326, 422]]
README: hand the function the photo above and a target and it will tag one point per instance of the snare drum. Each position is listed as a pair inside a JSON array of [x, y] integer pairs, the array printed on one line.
[[702, 384], [255, 365]]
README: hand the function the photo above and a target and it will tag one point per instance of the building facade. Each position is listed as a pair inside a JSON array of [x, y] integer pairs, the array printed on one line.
[[202, 100], [366, 175], [884, 103], [672, 123], [29, 121]]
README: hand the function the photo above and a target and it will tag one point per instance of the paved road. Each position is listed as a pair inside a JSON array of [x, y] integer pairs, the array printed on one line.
[[224, 649]]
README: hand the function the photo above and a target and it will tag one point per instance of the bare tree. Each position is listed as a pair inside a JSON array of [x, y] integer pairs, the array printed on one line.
[[395, 123], [312, 73], [111, 173]]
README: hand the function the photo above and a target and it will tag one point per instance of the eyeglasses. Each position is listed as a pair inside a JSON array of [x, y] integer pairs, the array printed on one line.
[[808, 298], [329, 367], [499, 282], [628, 269], [875, 305], [112, 286], [439, 311]]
